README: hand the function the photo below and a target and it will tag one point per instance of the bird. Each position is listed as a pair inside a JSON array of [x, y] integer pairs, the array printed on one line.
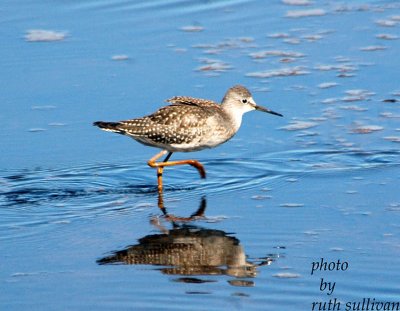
[[188, 124]]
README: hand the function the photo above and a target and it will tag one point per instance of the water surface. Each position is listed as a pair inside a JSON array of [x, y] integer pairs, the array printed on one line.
[[81, 225]]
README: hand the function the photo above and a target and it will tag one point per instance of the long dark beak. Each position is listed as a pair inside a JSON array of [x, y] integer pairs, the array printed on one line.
[[260, 108]]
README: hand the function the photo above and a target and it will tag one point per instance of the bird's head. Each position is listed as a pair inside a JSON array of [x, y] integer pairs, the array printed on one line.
[[239, 98]]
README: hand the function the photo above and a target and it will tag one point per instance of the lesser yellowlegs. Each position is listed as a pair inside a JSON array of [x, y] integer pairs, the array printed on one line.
[[188, 124]]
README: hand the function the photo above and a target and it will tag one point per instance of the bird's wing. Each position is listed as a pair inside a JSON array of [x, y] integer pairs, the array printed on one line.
[[176, 123], [191, 101], [181, 122], [159, 130]]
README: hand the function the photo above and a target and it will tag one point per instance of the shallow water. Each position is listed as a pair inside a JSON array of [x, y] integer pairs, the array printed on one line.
[[80, 219]]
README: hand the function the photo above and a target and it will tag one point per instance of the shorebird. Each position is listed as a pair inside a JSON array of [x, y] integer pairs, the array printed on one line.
[[188, 124]]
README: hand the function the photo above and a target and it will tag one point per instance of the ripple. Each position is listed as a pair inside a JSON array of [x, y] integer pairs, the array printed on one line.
[[305, 13], [192, 28], [367, 129], [282, 72], [287, 275], [43, 35], [298, 125], [296, 2], [41, 197]]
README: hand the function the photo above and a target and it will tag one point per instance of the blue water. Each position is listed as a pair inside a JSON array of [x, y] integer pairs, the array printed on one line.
[[322, 182]]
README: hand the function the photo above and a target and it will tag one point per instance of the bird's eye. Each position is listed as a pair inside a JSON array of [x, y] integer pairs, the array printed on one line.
[[244, 100]]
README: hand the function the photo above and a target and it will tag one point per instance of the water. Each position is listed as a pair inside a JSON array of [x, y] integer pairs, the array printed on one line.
[[322, 182]]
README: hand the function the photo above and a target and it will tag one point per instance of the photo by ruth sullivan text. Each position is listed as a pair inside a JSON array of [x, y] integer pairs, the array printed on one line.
[[366, 304], [328, 287]]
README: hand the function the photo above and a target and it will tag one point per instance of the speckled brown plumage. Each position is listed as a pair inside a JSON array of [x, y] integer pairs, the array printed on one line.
[[181, 126]]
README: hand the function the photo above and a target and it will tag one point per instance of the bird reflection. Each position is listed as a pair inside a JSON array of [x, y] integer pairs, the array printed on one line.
[[188, 250]]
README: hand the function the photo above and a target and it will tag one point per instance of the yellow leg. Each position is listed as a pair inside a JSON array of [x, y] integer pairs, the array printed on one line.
[[160, 166]]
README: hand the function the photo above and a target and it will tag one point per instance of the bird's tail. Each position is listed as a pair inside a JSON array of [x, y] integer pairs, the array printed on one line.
[[109, 126]]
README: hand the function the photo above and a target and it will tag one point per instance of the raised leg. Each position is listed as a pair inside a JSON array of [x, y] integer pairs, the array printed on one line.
[[160, 166]]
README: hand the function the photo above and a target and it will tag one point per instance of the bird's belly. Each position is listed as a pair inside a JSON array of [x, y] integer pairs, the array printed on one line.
[[193, 145], [198, 144]]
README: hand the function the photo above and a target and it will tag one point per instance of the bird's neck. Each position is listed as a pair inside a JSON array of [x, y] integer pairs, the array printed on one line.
[[234, 115]]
